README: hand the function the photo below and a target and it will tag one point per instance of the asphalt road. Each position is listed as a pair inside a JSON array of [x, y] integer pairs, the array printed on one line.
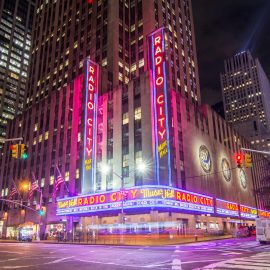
[[223, 254]]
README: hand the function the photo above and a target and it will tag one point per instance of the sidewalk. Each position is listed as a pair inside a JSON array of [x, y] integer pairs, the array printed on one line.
[[141, 240]]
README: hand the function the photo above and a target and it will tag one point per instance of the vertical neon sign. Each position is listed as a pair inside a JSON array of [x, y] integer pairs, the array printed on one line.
[[90, 127], [160, 107]]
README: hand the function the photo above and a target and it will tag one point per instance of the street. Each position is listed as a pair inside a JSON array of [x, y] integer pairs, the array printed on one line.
[[243, 253]]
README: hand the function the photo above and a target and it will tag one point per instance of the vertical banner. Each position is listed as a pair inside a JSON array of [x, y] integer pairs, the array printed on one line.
[[160, 107], [90, 127]]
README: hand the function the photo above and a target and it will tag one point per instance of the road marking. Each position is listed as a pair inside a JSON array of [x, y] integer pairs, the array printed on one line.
[[60, 260], [11, 252], [188, 262], [231, 253], [158, 264], [255, 262], [177, 264], [112, 263]]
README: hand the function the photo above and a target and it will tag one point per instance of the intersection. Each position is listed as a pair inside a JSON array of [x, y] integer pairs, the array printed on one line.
[[243, 253]]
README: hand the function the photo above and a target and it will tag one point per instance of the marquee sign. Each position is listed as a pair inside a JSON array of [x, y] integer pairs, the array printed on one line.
[[155, 197], [160, 106], [264, 214], [139, 197], [227, 208], [90, 123], [248, 212]]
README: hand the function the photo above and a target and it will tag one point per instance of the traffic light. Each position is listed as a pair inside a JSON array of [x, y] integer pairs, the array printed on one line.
[[23, 153], [239, 160], [41, 212], [14, 150], [248, 161]]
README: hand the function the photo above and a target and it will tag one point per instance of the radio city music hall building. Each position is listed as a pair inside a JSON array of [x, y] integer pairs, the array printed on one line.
[[155, 117]]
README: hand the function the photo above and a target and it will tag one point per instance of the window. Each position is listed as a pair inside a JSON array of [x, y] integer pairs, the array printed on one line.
[[125, 118], [51, 179], [77, 173], [138, 113], [66, 176]]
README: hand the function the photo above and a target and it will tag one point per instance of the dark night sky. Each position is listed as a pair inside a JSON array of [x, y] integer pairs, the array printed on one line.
[[223, 28]]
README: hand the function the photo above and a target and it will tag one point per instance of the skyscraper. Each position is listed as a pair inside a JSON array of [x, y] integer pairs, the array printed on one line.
[[116, 83], [246, 95], [112, 33], [16, 19]]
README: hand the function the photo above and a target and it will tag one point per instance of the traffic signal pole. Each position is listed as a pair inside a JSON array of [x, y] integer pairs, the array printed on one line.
[[40, 216], [11, 139], [256, 151]]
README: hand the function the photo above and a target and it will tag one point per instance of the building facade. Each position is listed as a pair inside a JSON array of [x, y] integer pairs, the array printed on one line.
[[246, 91], [16, 19], [94, 116]]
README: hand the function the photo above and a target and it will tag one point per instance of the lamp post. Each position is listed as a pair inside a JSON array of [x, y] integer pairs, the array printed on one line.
[[40, 213], [141, 168]]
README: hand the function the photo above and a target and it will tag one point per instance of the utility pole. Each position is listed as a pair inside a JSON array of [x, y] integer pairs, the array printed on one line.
[[256, 151], [11, 139]]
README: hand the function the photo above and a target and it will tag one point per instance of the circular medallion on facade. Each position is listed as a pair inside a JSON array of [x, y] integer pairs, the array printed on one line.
[[243, 178], [226, 170], [205, 158]]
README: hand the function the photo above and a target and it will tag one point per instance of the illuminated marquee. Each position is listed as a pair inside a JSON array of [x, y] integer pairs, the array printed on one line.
[[248, 212], [141, 197], [264, 214], [90, 122], [155, 197], [227, 208], [160, 106]]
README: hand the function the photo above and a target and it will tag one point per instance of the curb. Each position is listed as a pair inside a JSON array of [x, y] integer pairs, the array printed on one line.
[[127, 245]]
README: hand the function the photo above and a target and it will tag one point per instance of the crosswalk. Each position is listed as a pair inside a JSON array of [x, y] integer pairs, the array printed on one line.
[[232, 246], [259, 261]]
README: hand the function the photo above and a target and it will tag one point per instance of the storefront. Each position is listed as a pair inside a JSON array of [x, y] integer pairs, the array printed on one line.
[[27, 231], [1, 228], [156, 210], [12, 232], [53, 230]]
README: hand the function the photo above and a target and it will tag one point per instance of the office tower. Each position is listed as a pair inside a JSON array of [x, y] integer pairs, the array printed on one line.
[[246, 95], [113, 34], [116, 83], [16, 19]]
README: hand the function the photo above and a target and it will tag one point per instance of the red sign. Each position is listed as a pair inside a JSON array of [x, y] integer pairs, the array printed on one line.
[[159, 81], [227, 208], [90, 107], [248, 212], [90, 123], [156, 195], [160, 105], [264, 214]]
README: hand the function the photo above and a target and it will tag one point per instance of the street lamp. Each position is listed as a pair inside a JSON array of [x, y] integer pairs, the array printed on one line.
[[141, 168]]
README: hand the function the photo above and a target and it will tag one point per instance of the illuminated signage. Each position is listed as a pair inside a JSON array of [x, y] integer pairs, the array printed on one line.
[[248, 212], [242, 178], [90, 123], [264, 214], [226, 171], [205, 158], [227, 208], [160, 107], [146, 197]]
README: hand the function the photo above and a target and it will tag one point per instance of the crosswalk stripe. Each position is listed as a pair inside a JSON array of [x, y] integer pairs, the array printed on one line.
[[255, 262], [226, 265]]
